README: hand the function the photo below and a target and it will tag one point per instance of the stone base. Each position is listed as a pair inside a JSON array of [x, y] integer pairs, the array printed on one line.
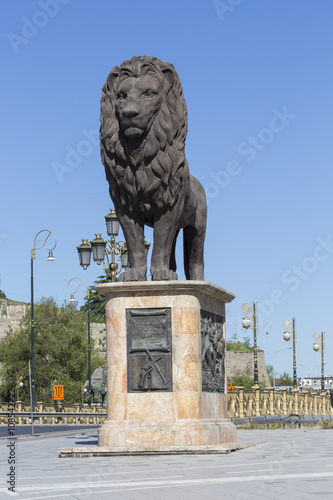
[[189, 416], [105, 451], [172, 435]]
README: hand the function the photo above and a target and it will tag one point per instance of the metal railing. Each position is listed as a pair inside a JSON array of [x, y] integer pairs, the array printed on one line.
[[51, 418], [255, 403]]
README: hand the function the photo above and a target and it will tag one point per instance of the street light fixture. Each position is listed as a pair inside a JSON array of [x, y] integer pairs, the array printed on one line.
[[320, 346], [32, 257], [253, 320], [72, 299], [291, 332], [19, 386], [103, 250]]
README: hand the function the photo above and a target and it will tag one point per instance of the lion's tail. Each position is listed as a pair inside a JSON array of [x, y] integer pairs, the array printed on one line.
[[186, 247], [173, 265]]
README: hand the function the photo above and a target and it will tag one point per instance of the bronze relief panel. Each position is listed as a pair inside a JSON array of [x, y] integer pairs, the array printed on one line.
[[149, 350], [212, 352]]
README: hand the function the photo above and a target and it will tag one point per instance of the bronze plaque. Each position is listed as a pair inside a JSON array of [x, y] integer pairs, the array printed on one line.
[[149, 353], [212, 352]]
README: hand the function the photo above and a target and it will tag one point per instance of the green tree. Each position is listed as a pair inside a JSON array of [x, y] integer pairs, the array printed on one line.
[[238, 347], [270, 373], [284, 379], [244, 381], [2, 295], [96, 302], [247, 342], [61, 352]]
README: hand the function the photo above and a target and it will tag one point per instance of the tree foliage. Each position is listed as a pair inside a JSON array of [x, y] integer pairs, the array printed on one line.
[[238, 347], [2, 295], [244, 381], [270, 373], [284, 379], [61, 352], [96, 302]]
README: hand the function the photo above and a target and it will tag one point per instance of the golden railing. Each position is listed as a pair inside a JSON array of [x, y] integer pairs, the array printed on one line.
[[255, 402]]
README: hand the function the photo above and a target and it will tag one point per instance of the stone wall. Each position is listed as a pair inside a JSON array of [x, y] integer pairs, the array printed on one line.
[[10, 316], [97, 332], [242, 363]]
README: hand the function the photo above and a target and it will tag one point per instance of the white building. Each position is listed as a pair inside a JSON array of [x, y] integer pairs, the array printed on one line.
[[314, 383]]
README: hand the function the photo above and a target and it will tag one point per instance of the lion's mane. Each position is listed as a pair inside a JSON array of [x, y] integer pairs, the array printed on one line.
[[157, 178]]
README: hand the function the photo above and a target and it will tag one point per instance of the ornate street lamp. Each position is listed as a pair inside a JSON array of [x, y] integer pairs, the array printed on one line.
[[50, 257], [319, 345], [72, 299], [291, 332], [252, 322], [107, 251]]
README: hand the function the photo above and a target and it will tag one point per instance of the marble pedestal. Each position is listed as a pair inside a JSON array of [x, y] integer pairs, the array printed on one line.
[[187, 417]]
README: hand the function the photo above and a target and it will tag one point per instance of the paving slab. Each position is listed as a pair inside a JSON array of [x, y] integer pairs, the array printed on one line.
[[292, 464]]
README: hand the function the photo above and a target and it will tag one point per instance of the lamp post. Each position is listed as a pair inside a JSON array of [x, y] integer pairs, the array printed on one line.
[[72, 299], [291, 332], [252, 322], [32, 257], [107, 250], [273, 354], [320, 346]]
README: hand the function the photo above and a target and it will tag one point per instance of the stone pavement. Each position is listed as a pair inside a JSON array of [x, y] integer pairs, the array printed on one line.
[[289, 464]]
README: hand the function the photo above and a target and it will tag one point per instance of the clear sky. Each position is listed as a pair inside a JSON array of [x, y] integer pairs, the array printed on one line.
[[258, 80]]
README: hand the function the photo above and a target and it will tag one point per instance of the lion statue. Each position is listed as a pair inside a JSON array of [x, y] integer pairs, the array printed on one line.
[[142, 136]]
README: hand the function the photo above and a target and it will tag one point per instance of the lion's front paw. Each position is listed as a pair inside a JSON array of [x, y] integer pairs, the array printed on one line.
[[163, 275], [132, 275]]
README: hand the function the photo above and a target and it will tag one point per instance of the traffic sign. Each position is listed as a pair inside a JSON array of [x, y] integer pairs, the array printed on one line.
[[58, 392]]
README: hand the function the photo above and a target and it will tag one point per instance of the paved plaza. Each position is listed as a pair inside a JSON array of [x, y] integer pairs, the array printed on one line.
[[288, 464]]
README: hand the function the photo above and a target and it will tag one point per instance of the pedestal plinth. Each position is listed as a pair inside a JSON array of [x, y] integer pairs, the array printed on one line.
[[165, 367]]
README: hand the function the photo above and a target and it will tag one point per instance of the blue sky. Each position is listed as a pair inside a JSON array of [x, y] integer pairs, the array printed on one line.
[[257, 77]]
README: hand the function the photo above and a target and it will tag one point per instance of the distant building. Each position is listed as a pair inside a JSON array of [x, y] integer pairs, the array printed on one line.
[[314, 383]]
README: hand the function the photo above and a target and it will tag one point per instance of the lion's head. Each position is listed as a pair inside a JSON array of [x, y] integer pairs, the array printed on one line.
[[143, 132]]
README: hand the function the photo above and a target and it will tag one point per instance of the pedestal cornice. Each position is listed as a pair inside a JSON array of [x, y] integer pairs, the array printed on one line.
[[190, 287]]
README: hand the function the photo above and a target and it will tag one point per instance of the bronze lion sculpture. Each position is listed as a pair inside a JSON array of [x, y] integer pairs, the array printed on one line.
[[142, 136]]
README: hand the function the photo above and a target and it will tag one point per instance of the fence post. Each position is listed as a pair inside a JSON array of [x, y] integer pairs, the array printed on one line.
[[19, 409], [326, 403], [256, 396], [306, 403], [240, 394], [271, 409], [94, 409], [315, 404], [295, 409], [284, 410]]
